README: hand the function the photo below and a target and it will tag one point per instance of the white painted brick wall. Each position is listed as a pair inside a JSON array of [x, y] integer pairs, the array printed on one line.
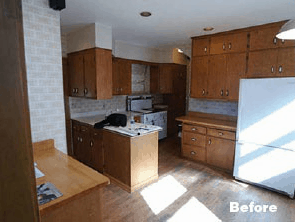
[[44, 72]]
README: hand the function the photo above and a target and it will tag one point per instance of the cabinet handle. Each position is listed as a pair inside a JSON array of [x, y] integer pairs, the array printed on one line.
[[229, 46], [280, 69], [221, 92], [227, 93], [194, 139], [193, 129], [193, 153], [203, 92], [85, 91], [223, 46], [81, 140], [205, 49], [283, 41], [209, 142], [74, 90], [272, 69], [274, 40], [78, 138], [220, 134], [91, 144]]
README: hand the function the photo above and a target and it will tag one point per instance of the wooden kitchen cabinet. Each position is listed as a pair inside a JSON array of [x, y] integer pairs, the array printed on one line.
[[212, 146], [199, 77], [154, 79], [166, 74], [200, 47], [216, 75], [286, 62], [229, 43], [88, 145], [90, 73], [220, 152], [121, 77], [236, 69]]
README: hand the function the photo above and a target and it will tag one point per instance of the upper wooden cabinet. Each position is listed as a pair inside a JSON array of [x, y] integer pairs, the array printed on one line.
[[200, 47], [272, 63], [166, 74], [229, 43], [90, 73], [121, 76], [265, 38], [199, 76], [154, 79]]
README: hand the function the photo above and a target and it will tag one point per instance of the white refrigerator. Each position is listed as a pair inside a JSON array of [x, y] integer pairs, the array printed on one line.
[[265, 147]]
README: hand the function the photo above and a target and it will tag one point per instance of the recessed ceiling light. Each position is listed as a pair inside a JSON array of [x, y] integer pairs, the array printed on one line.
[[208, 28], [145, 14]]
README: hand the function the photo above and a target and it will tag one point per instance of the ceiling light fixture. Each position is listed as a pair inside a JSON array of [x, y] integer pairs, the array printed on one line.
[[145, 14], [287, 31], [209, 28]]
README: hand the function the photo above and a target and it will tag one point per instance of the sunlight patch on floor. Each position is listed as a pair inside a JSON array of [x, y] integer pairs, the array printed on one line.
[[193, 211], [163, 193]]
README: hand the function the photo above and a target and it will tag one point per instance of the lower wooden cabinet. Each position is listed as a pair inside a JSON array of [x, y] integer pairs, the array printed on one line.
[[213, 146], [88, 145]]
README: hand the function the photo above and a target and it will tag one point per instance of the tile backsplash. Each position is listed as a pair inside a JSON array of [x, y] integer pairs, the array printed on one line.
[[140, 78], [211, 106]]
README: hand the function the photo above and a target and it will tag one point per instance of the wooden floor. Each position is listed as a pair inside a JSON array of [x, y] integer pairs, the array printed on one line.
[[209, 190]]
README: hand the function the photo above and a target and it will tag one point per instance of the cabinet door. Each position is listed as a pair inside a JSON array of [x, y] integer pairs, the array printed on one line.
[[199, 76], [262, 63], [76, 143], [264, 38], [154, 79], [200, 47], [76, 72], [236, 42], [85, 147], [218, 45], [216, 77], [286, 62], [124, 71], [115, 77], [236, 69], [166, 78], [90, 75], [97, 150], [103, 74], [220, 153]]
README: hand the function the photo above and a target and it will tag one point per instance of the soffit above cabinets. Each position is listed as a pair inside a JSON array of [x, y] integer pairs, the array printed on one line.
[[172, 21]]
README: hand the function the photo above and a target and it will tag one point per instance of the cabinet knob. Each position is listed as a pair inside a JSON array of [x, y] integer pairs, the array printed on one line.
[[220, 134], [81, 140], [283, 41], [74, 90], [229, 46], [272, 69], [280, 69], [274, 40], [223, 46], [78, 138], [85, 91], [91, 144], [209, 142], [205, 49], [193, 129], [121, 89], [227, 93], [193, 139], [77, 90], [203, 92], [193, 153], [221, 92]]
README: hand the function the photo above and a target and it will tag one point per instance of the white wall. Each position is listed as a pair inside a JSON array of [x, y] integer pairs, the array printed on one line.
[[137, 52], [90, 36], [43, 58]]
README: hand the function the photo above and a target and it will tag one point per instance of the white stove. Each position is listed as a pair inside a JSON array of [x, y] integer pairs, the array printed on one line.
[[143, 105]]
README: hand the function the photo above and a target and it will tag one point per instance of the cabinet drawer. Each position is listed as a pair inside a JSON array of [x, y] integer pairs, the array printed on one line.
[[194, 152], [194, 139], [195, 129], [84, 128], [222, 134]]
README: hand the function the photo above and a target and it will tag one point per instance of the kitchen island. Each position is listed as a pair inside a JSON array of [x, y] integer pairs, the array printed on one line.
[[127, 155]]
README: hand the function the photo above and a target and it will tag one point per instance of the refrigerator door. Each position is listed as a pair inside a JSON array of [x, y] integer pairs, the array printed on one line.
[[269, 167], [266, 112]]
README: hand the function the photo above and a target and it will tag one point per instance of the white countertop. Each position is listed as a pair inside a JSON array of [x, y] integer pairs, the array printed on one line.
[[136, 130]]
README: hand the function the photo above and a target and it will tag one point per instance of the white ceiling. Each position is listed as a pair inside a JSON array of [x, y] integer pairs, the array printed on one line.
[[173, 22]]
